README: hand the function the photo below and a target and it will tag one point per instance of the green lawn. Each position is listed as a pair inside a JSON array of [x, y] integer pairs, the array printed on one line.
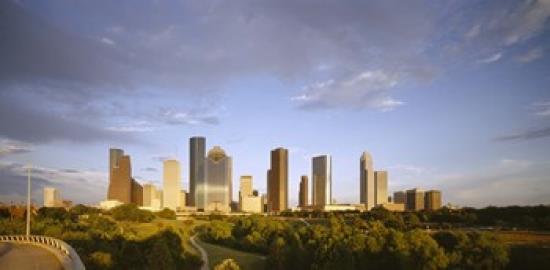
[[245, 260]]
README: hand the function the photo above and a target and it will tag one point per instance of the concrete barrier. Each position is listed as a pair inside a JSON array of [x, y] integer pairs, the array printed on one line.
[[63, 251]]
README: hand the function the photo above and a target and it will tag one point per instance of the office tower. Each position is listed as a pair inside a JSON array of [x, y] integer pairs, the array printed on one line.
[[171, 184], [149, 194], [120, 187], [182, 199], [400, 197], [321, 179], [137, 193], [197, 152], [218, 187], [245, 188], [277, 188], [302, 198], [432, 200], [380, 187], [415, 200], [366, 181], [51, 197], [114, 155], [159, 202]]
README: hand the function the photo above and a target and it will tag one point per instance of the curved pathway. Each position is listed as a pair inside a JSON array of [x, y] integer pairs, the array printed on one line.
[[201, 250], [26, 256]]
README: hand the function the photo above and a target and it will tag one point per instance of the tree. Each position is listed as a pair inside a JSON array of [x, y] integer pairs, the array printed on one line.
[[227, 264], [160, 256], [166, 214], [130, 212]]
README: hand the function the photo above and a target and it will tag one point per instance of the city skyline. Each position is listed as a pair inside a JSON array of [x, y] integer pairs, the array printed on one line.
[[453, 94]]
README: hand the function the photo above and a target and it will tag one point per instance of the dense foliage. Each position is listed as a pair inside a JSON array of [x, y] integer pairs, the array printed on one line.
[[166, 214], [104, 243], [130, 212], [356, 244]]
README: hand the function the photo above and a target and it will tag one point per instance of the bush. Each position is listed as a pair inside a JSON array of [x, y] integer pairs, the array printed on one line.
[[130, 212], [227, 264], [166, 214]]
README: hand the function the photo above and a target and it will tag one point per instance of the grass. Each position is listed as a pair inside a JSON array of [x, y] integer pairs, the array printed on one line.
[[246, 260], [524, 238]]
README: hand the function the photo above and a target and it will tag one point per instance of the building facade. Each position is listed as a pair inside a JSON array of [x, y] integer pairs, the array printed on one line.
[[366, 180], [432, 200], [380, 187], [303, 193], [52, 198], [245, 189], [120, 186], [321, 179], [277, 184], [218, 187], [415, 200], [171, 184], [137, 193], [400, 197], [197, 152]]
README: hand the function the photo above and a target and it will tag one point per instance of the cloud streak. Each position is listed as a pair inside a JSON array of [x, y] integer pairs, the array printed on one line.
[[526, 135]]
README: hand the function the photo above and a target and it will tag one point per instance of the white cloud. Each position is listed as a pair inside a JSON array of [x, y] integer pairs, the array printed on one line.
[[10, 147], [473, 32], [530, 55], [527, 21], [137, 126], [108, 41], [542, 108], [368, 89], [173, 117], [493, 58]]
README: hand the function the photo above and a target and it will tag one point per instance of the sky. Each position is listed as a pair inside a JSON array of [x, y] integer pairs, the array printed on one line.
[[448, 95]]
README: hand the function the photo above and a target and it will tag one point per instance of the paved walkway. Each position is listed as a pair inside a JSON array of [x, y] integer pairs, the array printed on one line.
[[203, 253], [27, 256]]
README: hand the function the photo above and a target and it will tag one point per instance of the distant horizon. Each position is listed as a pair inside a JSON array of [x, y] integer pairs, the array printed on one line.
[[450, 96]]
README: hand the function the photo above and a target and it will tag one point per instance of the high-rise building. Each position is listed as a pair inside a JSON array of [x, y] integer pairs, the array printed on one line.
[[197, 150], [218, 188], [120, 186], [52, 198], [277, 186], [171, 184], [400, 197], [321, 179], [302, 198], [137, 193], [366, 181], [380, 187], [245, 188], [415, 200], [182, 199], [432, 200], [149, 194], [114, 155]]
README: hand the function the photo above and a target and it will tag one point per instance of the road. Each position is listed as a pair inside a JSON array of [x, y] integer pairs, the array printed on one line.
[[201, 250], [27, 256]]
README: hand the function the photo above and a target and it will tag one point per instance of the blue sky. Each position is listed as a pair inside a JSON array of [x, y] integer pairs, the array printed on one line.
[[452, 95]]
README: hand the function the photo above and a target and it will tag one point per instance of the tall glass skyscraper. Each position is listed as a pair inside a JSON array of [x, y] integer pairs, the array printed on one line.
[[366, 180], [196, 169], [218, 190], [321, 177]]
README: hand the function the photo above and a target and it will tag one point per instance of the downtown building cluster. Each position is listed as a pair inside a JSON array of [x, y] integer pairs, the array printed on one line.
[[210, 185]]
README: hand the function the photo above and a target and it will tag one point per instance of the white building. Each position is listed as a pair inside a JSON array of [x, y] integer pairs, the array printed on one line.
[[172, 184], [52, 198]]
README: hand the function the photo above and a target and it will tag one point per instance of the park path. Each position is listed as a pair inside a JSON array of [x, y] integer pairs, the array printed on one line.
[[201, 250]]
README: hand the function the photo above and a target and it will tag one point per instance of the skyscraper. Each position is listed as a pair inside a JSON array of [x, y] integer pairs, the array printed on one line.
[[218, 188], [51, 197], [415, 200], [245, 189], [137, 193], [149, 194], [400, 197], [321, 179], [303, 199], [120, 186], [380, 187], [171, 184], [114, 156], [366, 181], [197, 152], [277, 188], [432, 200]]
